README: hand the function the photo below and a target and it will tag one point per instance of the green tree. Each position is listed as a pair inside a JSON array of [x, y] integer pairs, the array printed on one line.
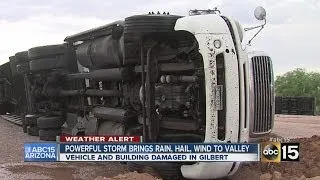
[[299, 82]]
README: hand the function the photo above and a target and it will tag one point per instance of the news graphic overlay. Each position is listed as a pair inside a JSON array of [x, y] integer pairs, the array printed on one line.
[[130, 148], [40, 152], [290, 152], [199, 152], [280, 152]]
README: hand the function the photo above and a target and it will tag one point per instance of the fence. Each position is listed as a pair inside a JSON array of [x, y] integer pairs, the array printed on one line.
[[295, 105]]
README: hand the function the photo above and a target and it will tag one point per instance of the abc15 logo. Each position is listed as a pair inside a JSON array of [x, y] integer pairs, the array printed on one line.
[[277, 152]]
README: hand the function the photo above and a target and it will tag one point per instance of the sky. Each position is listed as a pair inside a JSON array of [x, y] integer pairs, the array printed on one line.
[[291, 36]]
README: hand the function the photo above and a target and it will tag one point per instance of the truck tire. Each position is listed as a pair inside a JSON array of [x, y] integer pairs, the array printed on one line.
[[25, 129], [48, 122], [13, 64], [33, 130], [140, 25], [24, 126], [47, 51], [22, 56], [49, 134], [109, 127], [166, 170], [31, 120], [23, 68], [47, 63]]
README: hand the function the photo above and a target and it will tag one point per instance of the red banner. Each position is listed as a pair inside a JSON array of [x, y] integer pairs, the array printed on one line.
[[99, 139]]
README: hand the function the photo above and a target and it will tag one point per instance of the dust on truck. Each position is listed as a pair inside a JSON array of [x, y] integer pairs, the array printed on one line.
[[167, 78]]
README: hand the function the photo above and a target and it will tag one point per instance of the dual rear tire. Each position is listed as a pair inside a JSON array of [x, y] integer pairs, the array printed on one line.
[[20, 63], [48, 57], [46, 127], [29, 125], [33, 130], [50, 127]]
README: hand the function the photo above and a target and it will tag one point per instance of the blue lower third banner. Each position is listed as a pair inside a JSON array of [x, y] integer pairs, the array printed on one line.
[[198, 152], [40, 152], [159, 148], [163, 157]]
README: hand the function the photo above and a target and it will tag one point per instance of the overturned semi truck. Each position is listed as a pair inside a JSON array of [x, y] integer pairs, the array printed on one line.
[[167, 78]]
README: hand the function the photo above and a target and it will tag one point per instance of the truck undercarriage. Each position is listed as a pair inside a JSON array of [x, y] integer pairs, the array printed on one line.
[[167, 62]]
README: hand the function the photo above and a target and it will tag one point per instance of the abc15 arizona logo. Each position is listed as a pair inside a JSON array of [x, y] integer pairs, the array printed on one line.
[[279, 152]]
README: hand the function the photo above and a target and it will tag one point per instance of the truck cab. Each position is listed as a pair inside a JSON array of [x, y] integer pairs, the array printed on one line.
[[248, 94]]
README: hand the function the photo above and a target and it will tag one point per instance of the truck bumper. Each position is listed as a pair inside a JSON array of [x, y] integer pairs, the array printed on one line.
[[209, 170]]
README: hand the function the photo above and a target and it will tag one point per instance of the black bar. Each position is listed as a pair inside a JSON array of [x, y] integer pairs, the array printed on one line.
[[28, 94], [171, 67], [114, 74], [90, 92], [173, 79], [150, 96], [144, 125]]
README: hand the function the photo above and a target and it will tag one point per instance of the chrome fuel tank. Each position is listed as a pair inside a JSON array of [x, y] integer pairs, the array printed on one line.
[[103, 52]]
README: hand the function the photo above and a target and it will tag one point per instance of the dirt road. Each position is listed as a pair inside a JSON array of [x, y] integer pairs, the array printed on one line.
[[296, 126], [12, 166]]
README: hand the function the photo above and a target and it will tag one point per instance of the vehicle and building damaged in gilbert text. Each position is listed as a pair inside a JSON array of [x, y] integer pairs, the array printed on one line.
[[164, 77]]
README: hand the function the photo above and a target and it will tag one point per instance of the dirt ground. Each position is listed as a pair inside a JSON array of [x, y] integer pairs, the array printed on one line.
[[296, 126], [308, 167], [304, 129]]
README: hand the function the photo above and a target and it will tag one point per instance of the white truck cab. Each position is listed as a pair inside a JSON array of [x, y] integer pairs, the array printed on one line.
[[248, 88]]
